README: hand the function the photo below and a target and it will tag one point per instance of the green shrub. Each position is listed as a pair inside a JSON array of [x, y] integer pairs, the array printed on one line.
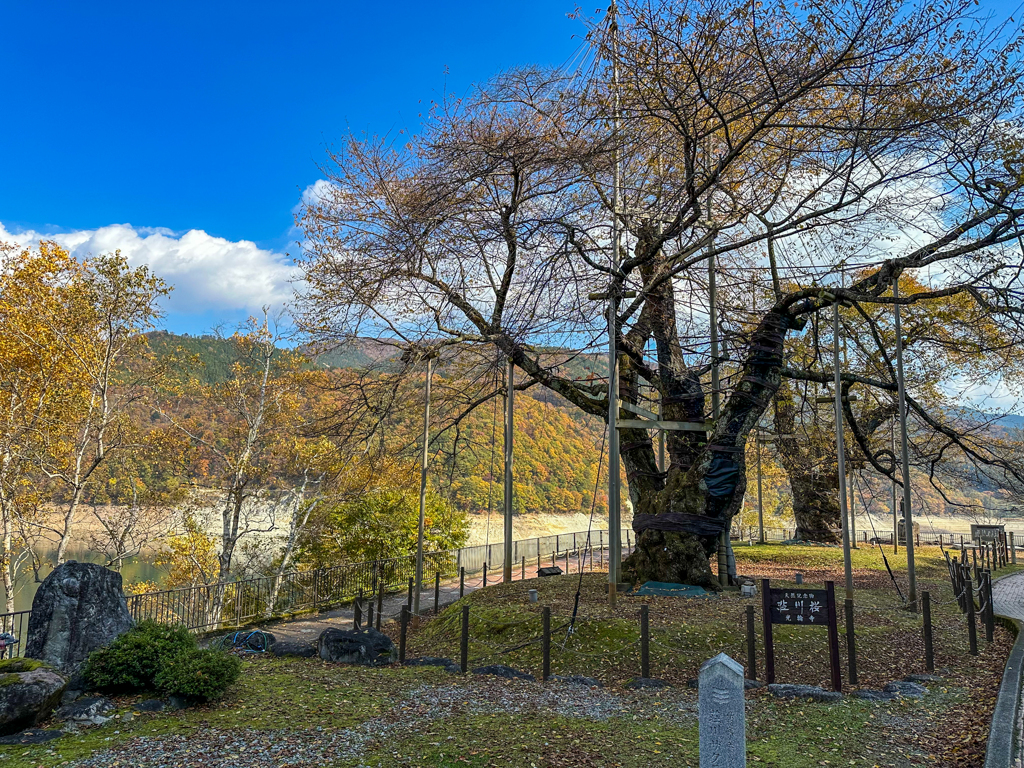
[[132, 661], [198, 675]]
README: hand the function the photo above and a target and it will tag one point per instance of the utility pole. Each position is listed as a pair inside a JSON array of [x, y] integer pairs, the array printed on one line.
[[509, 410], [841, 452], [905, 455], [423, 492], [614, 521]]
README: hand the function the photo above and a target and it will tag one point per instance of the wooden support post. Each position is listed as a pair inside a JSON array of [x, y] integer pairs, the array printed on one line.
[[972, 630], [485, 576], [412, 584], [1013, 550], [464, 642], [769, 643], [645, 641], [462, 582], [357, 612], [402, 634], [751, 645], [929, 652], [851, 643], [522, 571], [833, 638], [437, 591], [553, 559], [989, 616], [380, 603], [546, 642]]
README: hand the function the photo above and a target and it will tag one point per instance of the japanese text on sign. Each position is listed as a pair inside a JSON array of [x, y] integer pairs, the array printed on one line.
[[799, 606]]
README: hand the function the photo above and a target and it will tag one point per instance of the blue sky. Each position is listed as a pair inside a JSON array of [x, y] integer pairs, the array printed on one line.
[[185, 133], [212, 117]]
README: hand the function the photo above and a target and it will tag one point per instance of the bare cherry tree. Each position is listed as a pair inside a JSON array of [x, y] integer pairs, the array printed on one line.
[[745, 132]]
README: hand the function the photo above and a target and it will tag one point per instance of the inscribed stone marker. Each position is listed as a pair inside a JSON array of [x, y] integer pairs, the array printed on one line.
[[721, 714]]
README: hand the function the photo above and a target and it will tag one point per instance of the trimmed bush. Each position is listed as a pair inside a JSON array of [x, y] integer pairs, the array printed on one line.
[[198, 675], [131, 662]]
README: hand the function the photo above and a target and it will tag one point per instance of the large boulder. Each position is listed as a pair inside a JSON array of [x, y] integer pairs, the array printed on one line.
[[79, 607], [29, 692], [367, 647]]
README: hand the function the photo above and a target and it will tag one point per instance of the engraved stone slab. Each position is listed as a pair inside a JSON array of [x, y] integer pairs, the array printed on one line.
[[721, 713]]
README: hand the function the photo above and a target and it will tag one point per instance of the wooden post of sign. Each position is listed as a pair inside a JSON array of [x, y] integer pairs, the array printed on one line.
[[833, 638], [769, 645], [751, 644], [972, 631]]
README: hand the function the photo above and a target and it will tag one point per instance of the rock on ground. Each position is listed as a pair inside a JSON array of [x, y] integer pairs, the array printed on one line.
[[28, 694], [910, 690], [286, 648], [813, 692], [88, 711], [646, 682], [367, 647], [500, 670], [79, 607]]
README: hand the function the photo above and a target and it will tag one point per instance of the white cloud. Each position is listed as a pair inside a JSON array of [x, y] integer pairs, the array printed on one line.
[[208, 273]]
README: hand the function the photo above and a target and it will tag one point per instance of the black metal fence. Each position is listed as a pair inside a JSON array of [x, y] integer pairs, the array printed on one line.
[[208, 607]]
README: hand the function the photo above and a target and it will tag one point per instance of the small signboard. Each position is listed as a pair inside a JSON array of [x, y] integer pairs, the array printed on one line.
[[801, 607], [986, 534]]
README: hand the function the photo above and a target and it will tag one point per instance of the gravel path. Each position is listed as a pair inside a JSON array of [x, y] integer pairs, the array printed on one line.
[[250, 748]]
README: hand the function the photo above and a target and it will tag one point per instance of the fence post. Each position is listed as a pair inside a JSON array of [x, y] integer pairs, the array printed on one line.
[[357, 612], [464, 642], [412, 584], [929, 653], [972, 631], [546, 642], [567, 561], [380, 602], [485, 575], [645, 640], [402, 634], [751, 644], [462, 582], [1013, 550], [990, 616], [316, 591], [522, 572], [437, 590], [851, 643], [552, 559]]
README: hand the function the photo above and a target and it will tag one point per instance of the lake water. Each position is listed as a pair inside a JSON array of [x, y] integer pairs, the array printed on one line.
[[136, 569]]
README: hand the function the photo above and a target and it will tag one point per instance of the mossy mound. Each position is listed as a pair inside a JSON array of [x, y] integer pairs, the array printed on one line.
[[17, 666]]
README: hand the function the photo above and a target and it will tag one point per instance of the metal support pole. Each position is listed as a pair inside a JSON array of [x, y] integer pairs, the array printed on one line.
[[892, 489], [908, 515], [760, 495], [853, 509], [614, 521], [723, 541], [509, 410], [423, 490], [841, 454]]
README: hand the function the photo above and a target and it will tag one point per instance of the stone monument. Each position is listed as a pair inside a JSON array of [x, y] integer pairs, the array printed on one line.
[[721, 714]]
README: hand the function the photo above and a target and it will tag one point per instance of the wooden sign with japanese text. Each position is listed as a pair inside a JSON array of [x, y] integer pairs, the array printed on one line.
[[797, 606]]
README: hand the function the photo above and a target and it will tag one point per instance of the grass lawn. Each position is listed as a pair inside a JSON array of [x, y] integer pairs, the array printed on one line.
[[306, 712]]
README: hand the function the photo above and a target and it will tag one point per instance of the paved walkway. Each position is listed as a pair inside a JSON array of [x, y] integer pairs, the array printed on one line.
[[1008, 596], [307, 629]]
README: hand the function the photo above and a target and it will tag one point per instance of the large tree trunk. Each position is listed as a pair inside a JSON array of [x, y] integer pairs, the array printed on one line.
[[812, 472], [707, 476]]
